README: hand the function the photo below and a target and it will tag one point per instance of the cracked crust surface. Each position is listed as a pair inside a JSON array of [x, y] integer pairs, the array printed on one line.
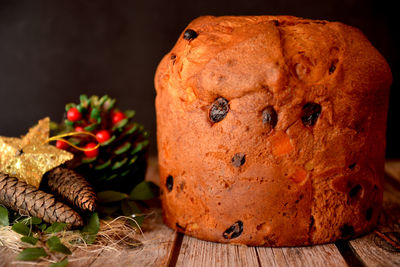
[[302, 179]]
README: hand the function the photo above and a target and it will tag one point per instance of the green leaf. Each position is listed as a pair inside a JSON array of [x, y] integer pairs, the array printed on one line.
[[109, 104], [120, 124], [103, 99], [93, 224], [81, 109], [94, 100], [111, 177], [133, 160], [144, 191], [21, 229], [30, 254], [55, 228], [31, 221], [139, 146], [90, 127], [95, 113], [129, 113], [129, 208], [84, 100], [110, 196], [29, 239], [109, 141], [62, 263], [69, 123], [119, 164], [102, 166], [4, 216], [123, 148], [90, 230], [130, 129], [69, 106], [88, 160], [107, 210], [35, 220], [42, 227], [54, 244]]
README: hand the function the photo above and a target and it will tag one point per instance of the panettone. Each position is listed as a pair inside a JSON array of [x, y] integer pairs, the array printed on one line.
[[271, 131]]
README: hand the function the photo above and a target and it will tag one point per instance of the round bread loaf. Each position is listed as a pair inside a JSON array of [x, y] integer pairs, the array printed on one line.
[[271, 131]]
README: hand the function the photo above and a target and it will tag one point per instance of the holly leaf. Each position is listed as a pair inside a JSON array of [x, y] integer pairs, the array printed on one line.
[[110, 196], [144, 191], [29, 239], [90, 230], [54, 244], [4, 216], [21, 229], [55, 228], [62, 263], [30, 254]]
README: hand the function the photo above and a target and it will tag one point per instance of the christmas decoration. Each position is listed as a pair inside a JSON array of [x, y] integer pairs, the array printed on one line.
[[30, 157], [20, 196], [121, 160], [71, 187]]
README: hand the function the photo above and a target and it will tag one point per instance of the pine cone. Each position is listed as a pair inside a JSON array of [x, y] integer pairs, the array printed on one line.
[[20, 196], [71, 187]]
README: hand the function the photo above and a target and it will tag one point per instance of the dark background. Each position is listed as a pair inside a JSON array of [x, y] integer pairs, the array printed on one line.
[[53, 51]]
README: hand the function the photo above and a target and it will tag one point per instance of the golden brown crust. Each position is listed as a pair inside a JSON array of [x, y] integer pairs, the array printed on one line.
[[290, 184]]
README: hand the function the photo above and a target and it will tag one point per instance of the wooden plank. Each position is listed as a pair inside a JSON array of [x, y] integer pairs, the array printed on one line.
[[375, 249], [322, 255], [196, 252], [392, 168]]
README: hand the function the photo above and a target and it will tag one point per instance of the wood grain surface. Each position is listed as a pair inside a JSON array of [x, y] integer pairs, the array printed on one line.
[[164, 247]]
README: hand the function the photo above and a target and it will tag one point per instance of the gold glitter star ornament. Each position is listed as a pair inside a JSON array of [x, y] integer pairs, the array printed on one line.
[[30, 157]]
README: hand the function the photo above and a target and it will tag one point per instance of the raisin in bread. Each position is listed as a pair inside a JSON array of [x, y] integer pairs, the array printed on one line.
[[271, 131]]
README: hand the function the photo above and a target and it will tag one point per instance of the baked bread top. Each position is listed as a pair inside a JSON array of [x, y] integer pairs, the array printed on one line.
[[234, 56]]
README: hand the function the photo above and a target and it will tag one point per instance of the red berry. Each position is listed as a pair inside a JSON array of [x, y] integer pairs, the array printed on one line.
[[117, 117], [103, 136], [93, 152], [73, 114], [79, 129], [60, 144]]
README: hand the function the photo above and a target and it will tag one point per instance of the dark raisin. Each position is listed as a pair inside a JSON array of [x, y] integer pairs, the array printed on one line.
[[269, 116], [173, 56], [311, 112], [219, 109], [347, 230], [312, 221], [368, 214], [170, 183], [276, 22], [234, 231], [351, 166], [238, 159], [332, 68], [190, 34], [355, 190]]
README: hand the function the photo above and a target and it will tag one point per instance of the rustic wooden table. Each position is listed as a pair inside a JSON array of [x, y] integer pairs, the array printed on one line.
[[164, 247]]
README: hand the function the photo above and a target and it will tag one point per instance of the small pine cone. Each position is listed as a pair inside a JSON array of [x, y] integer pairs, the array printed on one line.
[[72, 187], [20, 196]]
